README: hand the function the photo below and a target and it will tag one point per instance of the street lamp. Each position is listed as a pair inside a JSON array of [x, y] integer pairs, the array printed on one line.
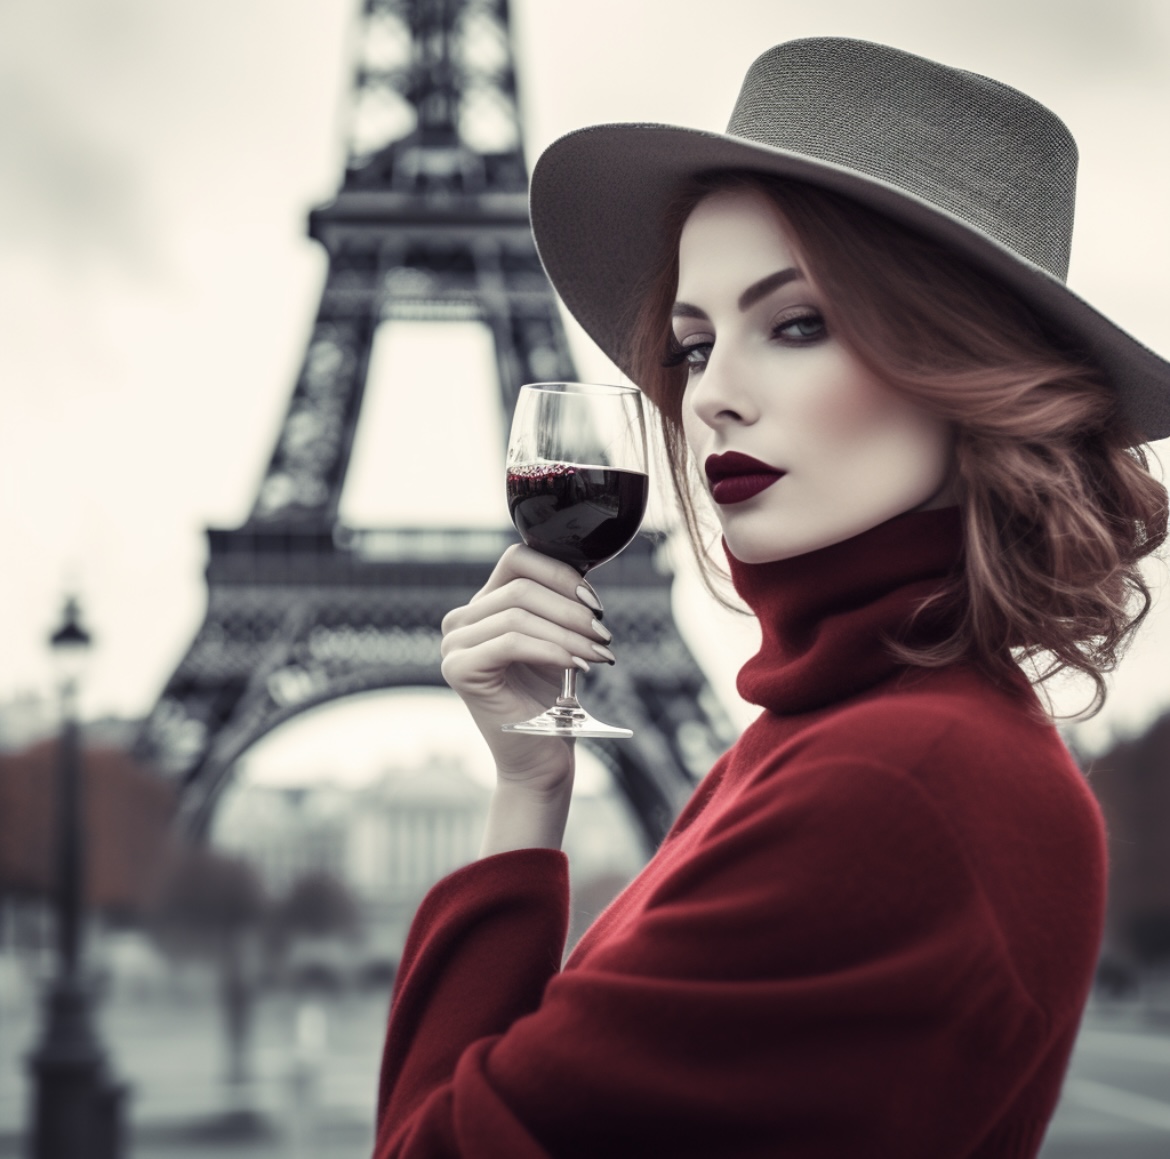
[[77, 1107]]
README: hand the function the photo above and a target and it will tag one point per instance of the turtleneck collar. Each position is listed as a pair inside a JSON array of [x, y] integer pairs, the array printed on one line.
[[826, 617]]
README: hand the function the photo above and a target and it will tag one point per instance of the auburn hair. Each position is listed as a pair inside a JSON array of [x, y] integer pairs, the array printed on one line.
[[1058, 507]]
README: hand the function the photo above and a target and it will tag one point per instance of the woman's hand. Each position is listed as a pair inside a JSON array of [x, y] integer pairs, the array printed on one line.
[[505, 651]]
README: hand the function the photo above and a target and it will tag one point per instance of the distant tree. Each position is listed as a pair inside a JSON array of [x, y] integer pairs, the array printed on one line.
[[317, 906], [207, 898], [214, 907], [127, 811]]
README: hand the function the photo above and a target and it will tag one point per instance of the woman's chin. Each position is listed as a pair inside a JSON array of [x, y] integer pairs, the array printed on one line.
[[752, 549], [766, 546]]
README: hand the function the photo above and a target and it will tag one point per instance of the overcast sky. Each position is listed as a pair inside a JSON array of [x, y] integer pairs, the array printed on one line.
[[157, 161]]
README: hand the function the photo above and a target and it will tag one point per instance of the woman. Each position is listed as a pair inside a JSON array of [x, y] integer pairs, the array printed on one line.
[[872, 930]]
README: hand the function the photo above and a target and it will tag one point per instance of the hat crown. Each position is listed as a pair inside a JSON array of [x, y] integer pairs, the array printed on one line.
[[977, 149]]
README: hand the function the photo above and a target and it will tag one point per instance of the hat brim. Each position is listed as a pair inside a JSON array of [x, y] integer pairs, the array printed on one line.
[[598, 199]]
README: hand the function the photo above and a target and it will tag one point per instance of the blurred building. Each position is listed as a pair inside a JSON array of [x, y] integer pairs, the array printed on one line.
[[388, 841], [392, 839], [287, 834], [413, 826]]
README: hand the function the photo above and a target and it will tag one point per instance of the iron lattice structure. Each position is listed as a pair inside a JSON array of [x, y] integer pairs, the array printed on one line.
[[430, 223]]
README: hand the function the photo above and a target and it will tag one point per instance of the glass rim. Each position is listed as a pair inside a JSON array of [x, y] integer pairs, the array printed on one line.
[[601, 388]]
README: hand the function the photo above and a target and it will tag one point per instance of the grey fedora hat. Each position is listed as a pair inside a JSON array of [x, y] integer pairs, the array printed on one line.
[[980, 167]]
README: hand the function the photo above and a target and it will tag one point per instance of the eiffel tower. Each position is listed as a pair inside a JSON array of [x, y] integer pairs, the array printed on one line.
[[430, 223]]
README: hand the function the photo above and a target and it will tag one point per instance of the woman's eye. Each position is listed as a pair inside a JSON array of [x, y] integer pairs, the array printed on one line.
[[801, 330], [694, 355]]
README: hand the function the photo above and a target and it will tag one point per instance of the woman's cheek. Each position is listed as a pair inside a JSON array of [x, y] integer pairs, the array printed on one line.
[[693, 426], [840, 408]]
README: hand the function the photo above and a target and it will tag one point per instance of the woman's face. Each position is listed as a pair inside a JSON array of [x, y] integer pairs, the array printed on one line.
[[830, 450]]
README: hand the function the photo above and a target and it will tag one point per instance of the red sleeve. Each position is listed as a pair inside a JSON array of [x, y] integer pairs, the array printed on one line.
[[770, 1000], [481, 949]]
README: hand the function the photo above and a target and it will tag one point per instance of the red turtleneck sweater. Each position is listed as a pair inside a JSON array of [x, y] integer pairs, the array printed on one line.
[[870, 932]]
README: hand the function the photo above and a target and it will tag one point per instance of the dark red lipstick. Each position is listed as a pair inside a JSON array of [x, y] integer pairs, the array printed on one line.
[[735, 477]]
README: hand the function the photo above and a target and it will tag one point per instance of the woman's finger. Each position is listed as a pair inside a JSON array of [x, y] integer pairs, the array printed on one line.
[[527, 594], [519, 562], [520, 622], [480, 670]]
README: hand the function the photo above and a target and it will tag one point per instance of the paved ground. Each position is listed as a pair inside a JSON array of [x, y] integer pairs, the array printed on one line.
[[314, 1065], [313, 1069], [1116, 1102]]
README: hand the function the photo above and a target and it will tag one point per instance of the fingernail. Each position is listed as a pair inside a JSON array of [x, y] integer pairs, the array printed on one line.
[[582, 664], [589, 599], [605, 654], [602, 631]]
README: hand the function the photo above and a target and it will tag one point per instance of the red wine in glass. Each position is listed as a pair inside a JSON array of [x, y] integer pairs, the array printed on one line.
[[580, 515], [577, 490]]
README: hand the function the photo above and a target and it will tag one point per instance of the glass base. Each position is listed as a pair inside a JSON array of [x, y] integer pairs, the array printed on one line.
[[567, 721]]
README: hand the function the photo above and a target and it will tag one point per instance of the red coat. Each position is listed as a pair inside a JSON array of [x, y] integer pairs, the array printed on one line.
[[870, 933]]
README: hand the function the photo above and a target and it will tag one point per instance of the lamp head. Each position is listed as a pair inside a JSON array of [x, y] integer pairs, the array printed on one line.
[[70, 645]]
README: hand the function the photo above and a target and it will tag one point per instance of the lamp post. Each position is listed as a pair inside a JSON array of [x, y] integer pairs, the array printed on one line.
[[76, 1105]]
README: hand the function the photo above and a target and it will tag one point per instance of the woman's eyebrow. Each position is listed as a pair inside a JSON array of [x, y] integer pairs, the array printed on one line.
[[765, 286], [754, 293]]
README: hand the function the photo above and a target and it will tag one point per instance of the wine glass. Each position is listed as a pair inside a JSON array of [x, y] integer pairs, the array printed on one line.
[[577, 490]]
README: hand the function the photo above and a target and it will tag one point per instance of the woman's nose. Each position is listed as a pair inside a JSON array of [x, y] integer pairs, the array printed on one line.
[[721, 394]]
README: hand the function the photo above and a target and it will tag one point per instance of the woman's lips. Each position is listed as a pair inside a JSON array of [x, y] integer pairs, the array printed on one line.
[[736, 477], [737, 488]]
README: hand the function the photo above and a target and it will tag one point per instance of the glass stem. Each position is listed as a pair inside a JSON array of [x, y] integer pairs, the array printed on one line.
[[569, 687]]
